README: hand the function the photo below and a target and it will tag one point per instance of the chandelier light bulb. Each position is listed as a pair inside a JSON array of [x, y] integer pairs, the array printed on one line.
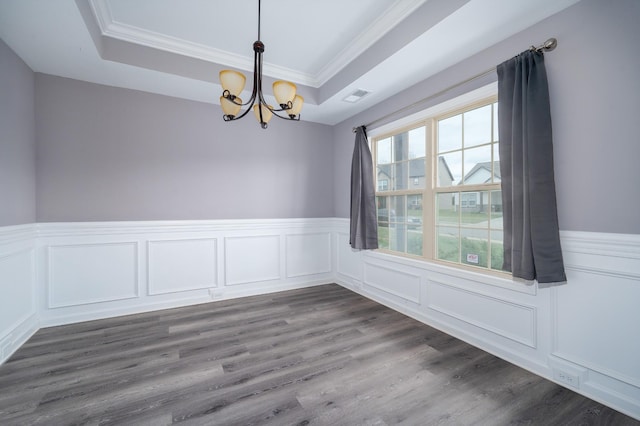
[[230, 108], [232, 81], [296, 107], [284, 92], [266, 114]]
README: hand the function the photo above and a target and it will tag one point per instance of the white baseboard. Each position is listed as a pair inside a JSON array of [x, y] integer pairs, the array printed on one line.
[[17, 336]]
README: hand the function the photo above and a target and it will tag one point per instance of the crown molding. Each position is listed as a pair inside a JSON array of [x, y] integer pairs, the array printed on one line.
[[109, 27], [391, 17], [178, 46], [102, 13], [140, 36]]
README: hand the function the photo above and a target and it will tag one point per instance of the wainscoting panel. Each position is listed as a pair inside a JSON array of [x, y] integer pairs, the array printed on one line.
[[609, 255], [393, 281], [594, 324], [593, 321], [18, 311], [181, 265], [17, 303], [308, 254], [595, 317], [511, 320], [250, 259], [348, 261], [79, 274]]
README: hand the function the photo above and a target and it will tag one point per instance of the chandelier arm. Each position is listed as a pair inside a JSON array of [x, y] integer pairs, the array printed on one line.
[[256, 73], [262, 100], [258, 84], [295, 118], [257, 54], [236, 117], [285, 107], [250, 103], [232, 98]]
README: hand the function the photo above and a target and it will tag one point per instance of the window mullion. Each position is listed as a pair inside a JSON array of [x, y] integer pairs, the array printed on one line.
[[429, 213]]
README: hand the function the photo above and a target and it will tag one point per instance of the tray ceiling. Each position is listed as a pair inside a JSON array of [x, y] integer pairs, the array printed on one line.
[[329, 48]]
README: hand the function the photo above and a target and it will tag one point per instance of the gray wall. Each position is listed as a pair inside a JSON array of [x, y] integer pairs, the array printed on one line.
[[595, 100], [113, 154], [17, 140], [106, 153]]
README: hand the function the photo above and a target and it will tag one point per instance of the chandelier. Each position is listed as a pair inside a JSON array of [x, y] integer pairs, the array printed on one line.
[[233, 83]]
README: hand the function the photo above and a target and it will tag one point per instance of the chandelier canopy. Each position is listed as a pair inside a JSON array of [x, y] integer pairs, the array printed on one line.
[[233, 83]]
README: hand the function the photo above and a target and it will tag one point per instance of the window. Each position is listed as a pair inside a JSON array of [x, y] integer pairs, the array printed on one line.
[[439, 188], [401, 158]]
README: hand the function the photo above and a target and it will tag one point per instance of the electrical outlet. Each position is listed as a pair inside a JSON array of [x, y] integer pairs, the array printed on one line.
[[215, 293], [569, 379]]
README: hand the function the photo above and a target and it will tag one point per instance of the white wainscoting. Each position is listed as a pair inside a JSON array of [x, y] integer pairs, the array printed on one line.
[[596, 321], [483, 311], [105, 269], [18, 314], [308, 254], [82, 274], [583, 335], [349, 262], [251, 259], [181, 265], [406, 281]]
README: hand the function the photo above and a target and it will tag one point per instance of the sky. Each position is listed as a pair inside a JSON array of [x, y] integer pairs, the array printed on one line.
[[464, 140]]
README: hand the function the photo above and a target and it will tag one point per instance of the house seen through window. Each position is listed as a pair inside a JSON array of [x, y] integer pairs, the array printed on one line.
[[438, 188]]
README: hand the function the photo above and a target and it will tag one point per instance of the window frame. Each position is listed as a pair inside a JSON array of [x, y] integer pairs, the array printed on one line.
[[429, 120]]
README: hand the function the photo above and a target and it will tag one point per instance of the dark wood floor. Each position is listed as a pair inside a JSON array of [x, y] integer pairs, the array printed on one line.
[[317, 356]]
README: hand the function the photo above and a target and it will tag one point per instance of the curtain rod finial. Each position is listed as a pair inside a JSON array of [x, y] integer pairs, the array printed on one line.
[[550, 44], [547, 46]]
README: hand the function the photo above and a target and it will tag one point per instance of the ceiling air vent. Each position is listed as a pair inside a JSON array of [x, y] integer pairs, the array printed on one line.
[[356, 96]]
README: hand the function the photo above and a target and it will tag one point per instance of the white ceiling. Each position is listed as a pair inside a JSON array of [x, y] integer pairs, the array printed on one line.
[[177, 47]]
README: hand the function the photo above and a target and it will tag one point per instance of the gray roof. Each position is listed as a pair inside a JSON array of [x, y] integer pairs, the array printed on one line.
[[487, 166], [416, 168]]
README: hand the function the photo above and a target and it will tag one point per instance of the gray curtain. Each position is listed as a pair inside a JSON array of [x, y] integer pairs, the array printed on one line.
[[531, 233], [364, 224]]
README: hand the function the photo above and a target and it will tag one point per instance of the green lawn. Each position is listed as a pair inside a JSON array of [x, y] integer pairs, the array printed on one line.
[[448, 250], [414, 240], [465, 217], [383, 237]]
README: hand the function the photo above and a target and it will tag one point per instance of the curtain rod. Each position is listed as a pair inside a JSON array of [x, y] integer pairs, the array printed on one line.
[[547, 46]]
